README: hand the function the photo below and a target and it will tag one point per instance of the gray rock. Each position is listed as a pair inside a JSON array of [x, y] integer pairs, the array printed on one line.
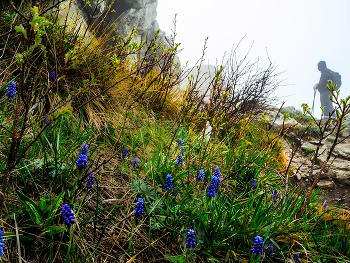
[[326, 184], [340, 169], [289, 109], [343, 151], [307, 146], [277, 124], [342, 175], [124, 15]]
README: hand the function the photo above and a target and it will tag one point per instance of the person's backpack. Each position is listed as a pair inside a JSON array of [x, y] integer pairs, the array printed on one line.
[[336, 78]]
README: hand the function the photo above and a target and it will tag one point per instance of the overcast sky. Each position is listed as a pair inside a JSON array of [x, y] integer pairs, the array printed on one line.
[[297, 35]]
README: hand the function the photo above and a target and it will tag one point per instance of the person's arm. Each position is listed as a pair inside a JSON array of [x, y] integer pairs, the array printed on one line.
[[322, 83]]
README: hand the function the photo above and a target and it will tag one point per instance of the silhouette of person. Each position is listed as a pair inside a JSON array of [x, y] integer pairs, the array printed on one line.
[[326, 74]]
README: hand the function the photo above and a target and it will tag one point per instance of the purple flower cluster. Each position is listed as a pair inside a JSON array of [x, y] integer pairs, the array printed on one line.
[[53, 75], [179, 143], [296, 258], [179, 159], [125, 153], [168, 182], [134, 163], [254, 184], [68, 215], [269, 250], [325, 205], [213, 187], [47, 121], [275, 194], [258, 249], [201, 175], [191, 239], [2, 243], [139, 207], [176, 193], [11, 90], [91, 181], [217, 174], [82, 161], [183, 151]]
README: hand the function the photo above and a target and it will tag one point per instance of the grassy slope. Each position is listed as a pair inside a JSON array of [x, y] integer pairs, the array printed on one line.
[[105, 227]]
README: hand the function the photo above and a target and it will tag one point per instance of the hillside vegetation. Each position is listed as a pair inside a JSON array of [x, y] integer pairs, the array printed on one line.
[[104, 159]]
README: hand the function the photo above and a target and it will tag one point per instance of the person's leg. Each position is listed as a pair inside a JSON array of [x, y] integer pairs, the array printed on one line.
[[325, 101]]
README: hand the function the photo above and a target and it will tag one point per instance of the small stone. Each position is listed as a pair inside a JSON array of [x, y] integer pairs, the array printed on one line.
[[326, 184], [315, 142]]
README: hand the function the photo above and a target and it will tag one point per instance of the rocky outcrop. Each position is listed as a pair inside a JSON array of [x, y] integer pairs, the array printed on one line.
[[124, 15]]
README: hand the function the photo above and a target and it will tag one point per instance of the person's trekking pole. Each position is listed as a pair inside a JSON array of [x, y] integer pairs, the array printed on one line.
[[313, 103]]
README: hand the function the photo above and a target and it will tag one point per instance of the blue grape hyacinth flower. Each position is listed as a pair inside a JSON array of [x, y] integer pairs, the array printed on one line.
[[183, 150], [82, 161], [296, 258], [53, 75], [134, 162], [217, 174], [325, 205], [91, 181], [179, 160], [213, 187], [2, 243], [168, 182], [176, 193], [125, 153], [139, 207], [179, 143], [254, 184], [68, 215], [201, 174], [258, 249], [275, 194], [47, 121], [191, 239], [11, 90], [269, 250]]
